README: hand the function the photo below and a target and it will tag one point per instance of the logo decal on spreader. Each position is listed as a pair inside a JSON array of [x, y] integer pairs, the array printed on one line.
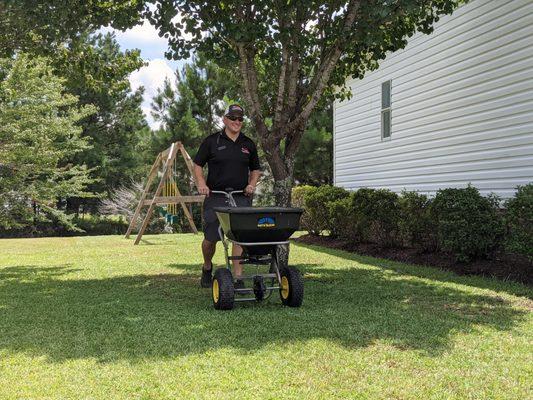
[[266, 222]]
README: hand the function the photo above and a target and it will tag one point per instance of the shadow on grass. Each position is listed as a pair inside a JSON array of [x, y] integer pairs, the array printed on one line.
[[428, 272], [44, 313]]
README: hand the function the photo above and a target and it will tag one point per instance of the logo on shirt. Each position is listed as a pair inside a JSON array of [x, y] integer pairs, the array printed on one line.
[[245, 150]]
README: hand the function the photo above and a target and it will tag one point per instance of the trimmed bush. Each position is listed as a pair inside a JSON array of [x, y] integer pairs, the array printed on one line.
[[377, 214], [519, 221], [468, 224], [415, 225], [316, 203], [342, 218], [298, 200]]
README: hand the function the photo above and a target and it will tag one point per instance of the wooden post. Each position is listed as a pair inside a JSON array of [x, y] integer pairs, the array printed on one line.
[[164, 162], [153, 172], [166, 168]]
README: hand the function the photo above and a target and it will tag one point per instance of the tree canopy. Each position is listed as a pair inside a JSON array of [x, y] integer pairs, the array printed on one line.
[[41, 26], [96, 71], [38, 132], [292, 53]]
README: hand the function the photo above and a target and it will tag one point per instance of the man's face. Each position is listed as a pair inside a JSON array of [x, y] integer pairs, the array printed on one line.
[[233, 126]]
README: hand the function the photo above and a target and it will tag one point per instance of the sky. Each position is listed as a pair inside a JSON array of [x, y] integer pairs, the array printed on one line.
[[144, 37]]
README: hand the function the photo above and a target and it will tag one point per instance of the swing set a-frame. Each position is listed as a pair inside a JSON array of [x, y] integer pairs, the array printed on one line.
[[166, 192]]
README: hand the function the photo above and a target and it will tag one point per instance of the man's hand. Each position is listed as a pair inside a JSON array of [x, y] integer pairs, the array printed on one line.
[[203, 189], [249, 190]]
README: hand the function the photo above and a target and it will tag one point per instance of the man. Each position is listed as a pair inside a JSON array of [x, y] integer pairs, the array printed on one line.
[[232, 163]]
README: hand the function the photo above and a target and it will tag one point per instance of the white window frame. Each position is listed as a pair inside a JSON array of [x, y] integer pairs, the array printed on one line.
[[384, 110]]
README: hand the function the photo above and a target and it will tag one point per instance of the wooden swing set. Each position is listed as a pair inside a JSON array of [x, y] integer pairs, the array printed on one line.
[[167, 192]]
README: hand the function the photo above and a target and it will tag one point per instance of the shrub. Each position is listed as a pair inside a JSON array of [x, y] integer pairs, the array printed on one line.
[[342, 219], [96, 225], [519, 221], [377, 214], [316, 203], [298, 200], [468, 224], [416, 227]]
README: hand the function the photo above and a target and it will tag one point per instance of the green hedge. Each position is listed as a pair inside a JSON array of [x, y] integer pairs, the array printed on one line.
[[468, 225], [459, 221], [416, 228], [519, 221], [317, 202]]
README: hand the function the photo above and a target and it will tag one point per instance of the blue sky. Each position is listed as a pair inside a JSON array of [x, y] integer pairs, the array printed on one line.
[[144, 37]]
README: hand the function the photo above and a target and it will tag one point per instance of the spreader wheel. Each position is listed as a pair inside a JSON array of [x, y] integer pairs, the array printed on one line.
[[223, 289], [291, 288]]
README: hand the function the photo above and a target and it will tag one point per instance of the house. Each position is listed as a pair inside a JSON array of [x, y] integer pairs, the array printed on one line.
[[451, 108]]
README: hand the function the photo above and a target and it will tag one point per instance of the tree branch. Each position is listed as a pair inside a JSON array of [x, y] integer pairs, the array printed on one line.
[[323, 74], [281, 87], [251, 87]]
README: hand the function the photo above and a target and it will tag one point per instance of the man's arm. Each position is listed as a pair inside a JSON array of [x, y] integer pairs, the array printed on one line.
[[200, 180], [252, 181]]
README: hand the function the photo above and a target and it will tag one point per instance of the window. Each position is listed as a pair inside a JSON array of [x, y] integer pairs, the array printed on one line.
[[386, 110]]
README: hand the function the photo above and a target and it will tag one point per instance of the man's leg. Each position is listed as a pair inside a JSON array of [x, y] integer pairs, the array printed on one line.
[[208, 251]]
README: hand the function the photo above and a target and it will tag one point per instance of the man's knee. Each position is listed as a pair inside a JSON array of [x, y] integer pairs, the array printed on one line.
[[208, 244]]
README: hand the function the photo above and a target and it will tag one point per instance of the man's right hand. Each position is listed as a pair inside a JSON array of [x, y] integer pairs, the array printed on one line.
[[203, 189]]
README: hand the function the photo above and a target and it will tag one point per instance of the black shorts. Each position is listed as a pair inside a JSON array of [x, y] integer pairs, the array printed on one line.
[[210, 220]]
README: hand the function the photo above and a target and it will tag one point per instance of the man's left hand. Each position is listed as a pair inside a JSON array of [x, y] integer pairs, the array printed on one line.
[[249, 190]]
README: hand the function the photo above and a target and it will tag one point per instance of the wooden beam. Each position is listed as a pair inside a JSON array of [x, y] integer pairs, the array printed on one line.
[[187, 213], [171, 156], [151, 175], [174, 199], [188, 162]]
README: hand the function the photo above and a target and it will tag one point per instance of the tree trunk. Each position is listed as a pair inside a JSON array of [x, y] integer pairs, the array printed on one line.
[[282, 191]]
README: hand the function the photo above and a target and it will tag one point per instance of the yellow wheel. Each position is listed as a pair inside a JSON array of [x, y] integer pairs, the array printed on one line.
[[223, 290], [216, 292], [284, 291], [291, 288]]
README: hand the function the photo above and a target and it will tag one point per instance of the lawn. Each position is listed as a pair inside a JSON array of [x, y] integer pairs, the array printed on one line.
[[99, 318]]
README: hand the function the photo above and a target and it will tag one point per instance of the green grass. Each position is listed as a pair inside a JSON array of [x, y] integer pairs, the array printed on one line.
[[99, 318]]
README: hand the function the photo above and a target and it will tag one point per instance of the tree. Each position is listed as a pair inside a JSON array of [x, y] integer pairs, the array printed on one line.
[[189, 108], [38, 131], [291, 54], [43, 25], [97, 71], [313, 163]]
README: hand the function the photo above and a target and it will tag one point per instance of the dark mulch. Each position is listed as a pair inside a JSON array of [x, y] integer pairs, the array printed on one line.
[[501, 266]]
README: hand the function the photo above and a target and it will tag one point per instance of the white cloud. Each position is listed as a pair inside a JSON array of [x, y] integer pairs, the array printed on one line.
[[151, 77], [145, 38]]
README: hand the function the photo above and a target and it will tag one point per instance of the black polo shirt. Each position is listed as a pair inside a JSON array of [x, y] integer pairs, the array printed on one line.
[[228, 162]]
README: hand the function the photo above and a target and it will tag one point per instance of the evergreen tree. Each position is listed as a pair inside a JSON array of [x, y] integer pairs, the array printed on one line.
[[97, 71], [38, 132]]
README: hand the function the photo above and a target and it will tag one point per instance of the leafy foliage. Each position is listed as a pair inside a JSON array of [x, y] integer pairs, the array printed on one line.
[[41, 26], [468, 224], [38, 133], [519, 219], [292, 54], [342, 218], [415, 223], [97, 71], [377, 214], [313, 163], [298, 200], [317, 203]]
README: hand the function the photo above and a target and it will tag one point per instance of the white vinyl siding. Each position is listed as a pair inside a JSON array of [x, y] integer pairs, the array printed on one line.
[[462, 100]]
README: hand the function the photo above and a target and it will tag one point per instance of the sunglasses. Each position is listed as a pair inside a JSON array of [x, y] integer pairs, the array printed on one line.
[[232, 118]]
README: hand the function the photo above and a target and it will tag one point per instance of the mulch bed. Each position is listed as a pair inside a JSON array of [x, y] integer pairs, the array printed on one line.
[[501, 266]]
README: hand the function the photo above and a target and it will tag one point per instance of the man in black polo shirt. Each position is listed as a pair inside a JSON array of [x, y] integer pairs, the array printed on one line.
[[232, 163]]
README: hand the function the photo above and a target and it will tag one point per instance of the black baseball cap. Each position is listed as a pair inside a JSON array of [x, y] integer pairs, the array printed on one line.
[[234, 110]]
